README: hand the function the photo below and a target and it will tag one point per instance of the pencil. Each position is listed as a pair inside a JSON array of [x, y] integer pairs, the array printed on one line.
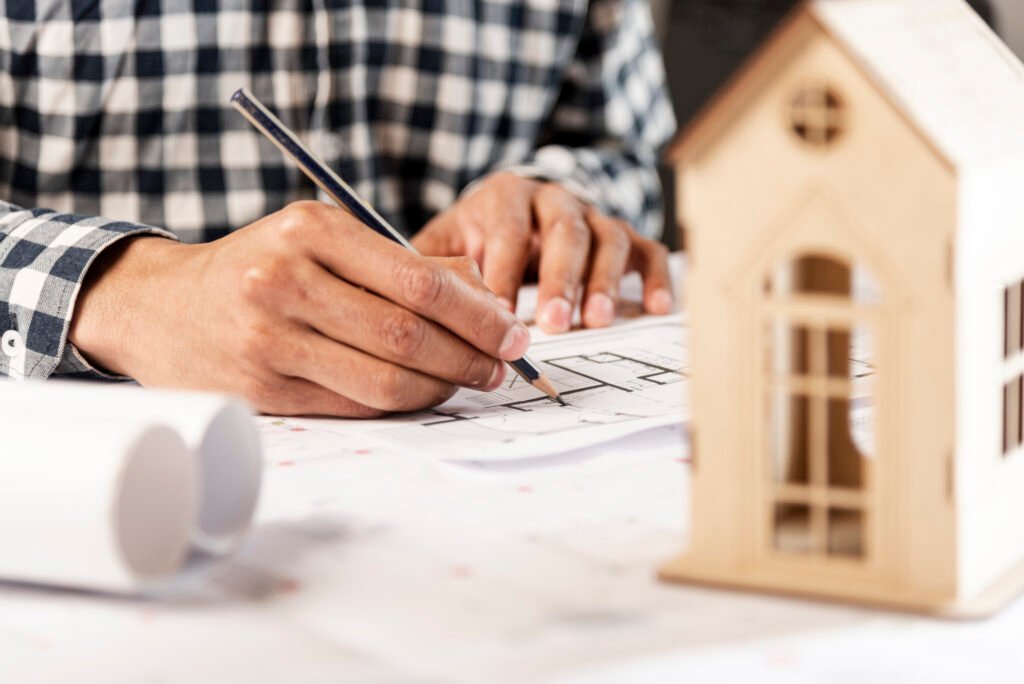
[[346, 198]]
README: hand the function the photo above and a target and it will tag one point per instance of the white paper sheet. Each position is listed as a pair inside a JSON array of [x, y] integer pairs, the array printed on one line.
[[615, 382]]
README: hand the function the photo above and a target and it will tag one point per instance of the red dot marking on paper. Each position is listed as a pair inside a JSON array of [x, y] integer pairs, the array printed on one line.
[[363, 452], [682, 460], [297, 429], [286, 464], [525, 489], [462, 571]]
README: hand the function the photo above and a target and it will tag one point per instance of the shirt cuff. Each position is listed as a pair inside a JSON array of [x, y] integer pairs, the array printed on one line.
[[44, 292]]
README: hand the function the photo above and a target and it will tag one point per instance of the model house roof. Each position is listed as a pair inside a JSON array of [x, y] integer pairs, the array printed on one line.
[[954, 79]]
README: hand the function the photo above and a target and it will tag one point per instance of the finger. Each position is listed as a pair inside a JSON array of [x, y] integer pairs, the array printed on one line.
[[382, 329], [440, 237], [468, 270], [298, 397], [361, 377], [471, 234], [267, 354], [506, 255], [613, 240], [420, 285], [565, 246], [651, 259], [501, 206]]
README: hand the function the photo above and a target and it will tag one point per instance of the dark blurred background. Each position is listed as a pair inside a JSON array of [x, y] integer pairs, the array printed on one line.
[[704, 41]]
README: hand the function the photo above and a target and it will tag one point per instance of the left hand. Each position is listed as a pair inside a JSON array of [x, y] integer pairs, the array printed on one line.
[[509, 223]]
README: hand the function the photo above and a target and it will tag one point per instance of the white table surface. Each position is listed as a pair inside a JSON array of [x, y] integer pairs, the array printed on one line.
[[371, 565]]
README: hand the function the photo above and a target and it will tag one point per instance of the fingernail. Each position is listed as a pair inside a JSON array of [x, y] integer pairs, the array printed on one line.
[[600, 311], [507, 303], [556, 316], [497, 377], [515, 344], [660, 301]]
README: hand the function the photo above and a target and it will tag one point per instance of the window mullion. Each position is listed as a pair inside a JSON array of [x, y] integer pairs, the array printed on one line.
[[818, 425]]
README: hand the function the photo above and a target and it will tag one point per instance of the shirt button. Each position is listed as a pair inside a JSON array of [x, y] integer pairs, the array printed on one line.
[[11, 343]]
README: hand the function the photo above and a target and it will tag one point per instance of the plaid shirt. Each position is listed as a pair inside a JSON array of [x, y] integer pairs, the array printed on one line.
[[119, 109]]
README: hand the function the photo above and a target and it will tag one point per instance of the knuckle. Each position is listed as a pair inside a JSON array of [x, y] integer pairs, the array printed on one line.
[[309, 210], [303, 219], [296, 219], [389, 391], [254, 284], [505, 179], [255, 342], [402, 333], [512, 230], [467, 265], [263, 391], [264, 280], [571, 227], [617, 236], [421, 282], [555, 193], [658, 250]]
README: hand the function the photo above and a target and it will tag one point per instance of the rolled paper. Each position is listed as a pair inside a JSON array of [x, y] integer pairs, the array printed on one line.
[[217, 429], [91, 503], [227, 445]]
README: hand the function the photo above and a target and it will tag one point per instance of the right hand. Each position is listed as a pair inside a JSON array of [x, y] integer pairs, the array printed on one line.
[[305, 311]]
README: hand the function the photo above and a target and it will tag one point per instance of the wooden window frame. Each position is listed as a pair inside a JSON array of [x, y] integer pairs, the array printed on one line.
[[1012, 420], [817, 115]]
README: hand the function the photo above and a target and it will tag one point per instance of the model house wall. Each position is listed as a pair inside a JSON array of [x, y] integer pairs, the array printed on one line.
[[990, 472]]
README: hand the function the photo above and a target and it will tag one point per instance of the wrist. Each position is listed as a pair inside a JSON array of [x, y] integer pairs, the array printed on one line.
[[123, 289]]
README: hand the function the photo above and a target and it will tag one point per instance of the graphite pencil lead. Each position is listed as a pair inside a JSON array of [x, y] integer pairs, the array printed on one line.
[[544, 385]]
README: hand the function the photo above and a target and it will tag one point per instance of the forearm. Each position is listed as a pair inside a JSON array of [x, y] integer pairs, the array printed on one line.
[[128, 290]]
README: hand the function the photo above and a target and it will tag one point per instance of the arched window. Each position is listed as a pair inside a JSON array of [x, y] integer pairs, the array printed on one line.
[[819, 407]]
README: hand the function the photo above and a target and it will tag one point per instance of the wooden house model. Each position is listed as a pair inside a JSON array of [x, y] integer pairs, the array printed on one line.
[[854, 212]]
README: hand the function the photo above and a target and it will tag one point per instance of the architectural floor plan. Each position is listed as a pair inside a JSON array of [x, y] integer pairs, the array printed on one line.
[[615, 382]]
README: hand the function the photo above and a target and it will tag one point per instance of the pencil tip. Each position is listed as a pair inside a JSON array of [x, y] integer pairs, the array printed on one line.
[[560, 400], [544, 385]]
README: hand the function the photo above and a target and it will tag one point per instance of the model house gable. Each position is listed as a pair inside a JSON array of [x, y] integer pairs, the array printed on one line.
[[936, 61]]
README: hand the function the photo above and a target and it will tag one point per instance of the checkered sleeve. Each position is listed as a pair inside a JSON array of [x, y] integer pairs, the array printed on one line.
[[44, 256], [612, 118]]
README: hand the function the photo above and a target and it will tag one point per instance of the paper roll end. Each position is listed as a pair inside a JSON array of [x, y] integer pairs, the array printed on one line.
[[155, 504]]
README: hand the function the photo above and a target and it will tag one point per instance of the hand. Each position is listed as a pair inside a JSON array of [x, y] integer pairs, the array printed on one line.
[[305, 311], [509, 222]]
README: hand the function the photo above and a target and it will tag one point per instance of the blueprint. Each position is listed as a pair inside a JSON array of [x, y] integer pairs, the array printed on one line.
[[615, 382]]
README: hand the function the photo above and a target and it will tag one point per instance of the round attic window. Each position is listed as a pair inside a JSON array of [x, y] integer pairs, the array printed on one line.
[[817, 115]]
